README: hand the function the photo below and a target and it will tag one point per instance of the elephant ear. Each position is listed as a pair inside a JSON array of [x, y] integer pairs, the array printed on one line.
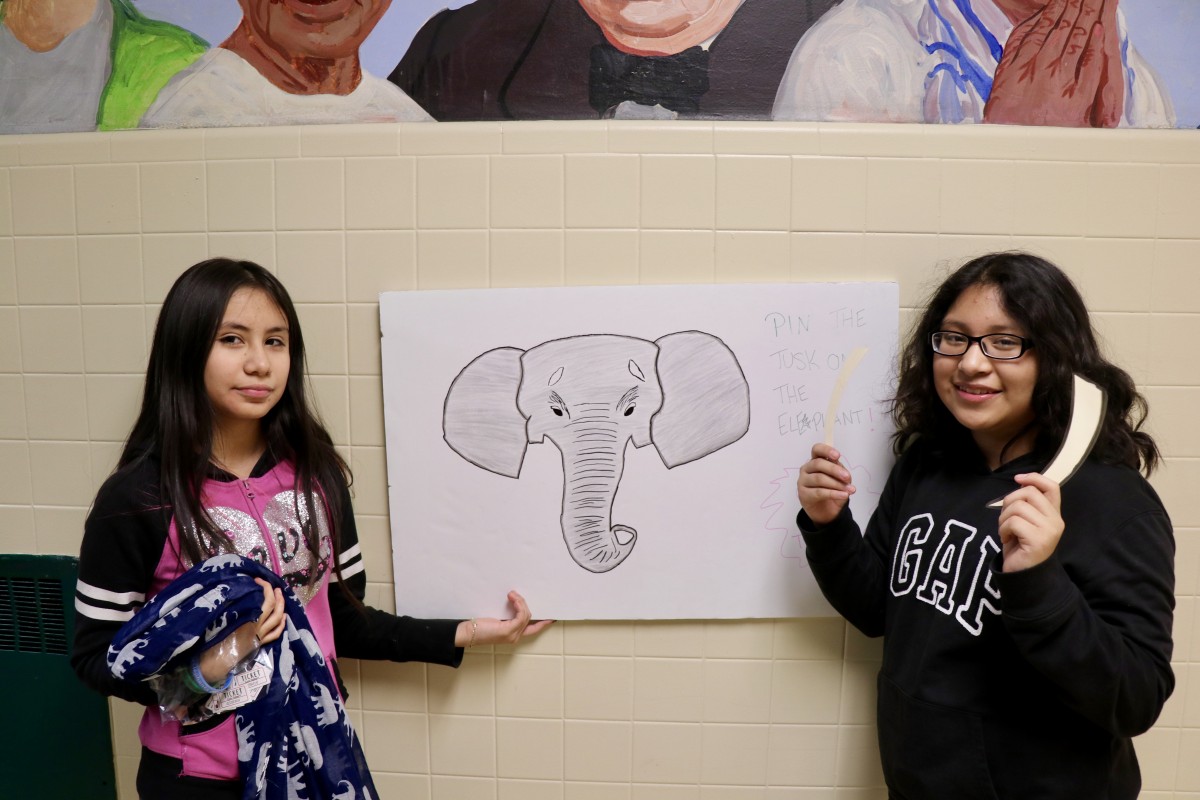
[[706, 400], [480, 420]]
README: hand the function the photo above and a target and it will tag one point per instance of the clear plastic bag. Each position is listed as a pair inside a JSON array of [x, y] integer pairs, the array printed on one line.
[[184, 696]]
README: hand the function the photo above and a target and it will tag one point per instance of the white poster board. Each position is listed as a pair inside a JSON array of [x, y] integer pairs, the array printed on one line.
[[729, 384]]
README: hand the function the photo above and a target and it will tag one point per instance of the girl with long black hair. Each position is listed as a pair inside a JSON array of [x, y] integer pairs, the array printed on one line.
[[228, 458], [1023, 647]]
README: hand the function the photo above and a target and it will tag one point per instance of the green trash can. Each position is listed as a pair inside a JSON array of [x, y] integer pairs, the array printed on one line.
[[60, 742]]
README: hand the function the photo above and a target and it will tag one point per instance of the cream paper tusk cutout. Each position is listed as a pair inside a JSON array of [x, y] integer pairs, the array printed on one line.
[[1087, 413], [856, 355]]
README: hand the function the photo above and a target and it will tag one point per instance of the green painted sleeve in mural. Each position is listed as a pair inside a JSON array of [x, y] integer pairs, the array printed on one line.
[[146, 53]]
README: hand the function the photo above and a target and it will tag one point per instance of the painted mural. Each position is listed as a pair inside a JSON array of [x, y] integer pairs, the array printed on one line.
[[76, 65]]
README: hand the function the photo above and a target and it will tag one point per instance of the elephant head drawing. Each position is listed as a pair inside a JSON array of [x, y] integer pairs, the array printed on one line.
[[590, 395]]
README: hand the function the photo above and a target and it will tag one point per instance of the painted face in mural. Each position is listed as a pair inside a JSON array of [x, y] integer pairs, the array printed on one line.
[[313, 29], [659, 27], [42, 26]]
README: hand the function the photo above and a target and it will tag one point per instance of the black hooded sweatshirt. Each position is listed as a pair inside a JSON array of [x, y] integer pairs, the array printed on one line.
[[1001, 685]]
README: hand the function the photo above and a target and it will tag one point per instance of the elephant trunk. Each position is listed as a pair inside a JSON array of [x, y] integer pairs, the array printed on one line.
[[592, 465]]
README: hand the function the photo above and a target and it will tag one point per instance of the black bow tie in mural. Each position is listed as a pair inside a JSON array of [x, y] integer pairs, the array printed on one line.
[[676, 82]]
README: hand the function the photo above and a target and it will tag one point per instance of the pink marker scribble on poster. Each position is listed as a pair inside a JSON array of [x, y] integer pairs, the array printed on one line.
[[781, 507]]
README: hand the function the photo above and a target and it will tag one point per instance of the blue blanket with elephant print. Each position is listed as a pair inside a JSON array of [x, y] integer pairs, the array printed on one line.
[[295, 741]]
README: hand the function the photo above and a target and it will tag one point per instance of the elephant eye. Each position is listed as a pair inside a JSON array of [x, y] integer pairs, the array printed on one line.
[[629, 410], [558, 406]]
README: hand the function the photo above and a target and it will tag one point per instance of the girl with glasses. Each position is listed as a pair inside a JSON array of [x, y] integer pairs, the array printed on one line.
[[1023, 646]]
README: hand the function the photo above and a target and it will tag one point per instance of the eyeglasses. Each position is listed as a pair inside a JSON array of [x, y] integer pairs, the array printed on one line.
[[998, 346]]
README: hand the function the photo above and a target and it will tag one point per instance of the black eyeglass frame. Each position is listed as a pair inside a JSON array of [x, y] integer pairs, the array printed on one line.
[[1026, 344]]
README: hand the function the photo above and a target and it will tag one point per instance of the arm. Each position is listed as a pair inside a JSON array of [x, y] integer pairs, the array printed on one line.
[[1097, 623], [123, 540], [852, 570], [487, 630]]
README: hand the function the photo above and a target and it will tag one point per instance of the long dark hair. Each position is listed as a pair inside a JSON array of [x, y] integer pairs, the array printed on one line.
[[175, 423], [1045, 302]]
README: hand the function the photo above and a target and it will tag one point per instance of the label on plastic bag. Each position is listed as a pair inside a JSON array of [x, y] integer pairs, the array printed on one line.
[[247, 685]]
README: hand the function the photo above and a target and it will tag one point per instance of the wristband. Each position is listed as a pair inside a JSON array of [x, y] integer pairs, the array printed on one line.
[[194, 678], [474, 630]]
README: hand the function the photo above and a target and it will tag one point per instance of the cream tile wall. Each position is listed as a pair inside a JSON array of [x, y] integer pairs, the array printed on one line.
[[93, 229]]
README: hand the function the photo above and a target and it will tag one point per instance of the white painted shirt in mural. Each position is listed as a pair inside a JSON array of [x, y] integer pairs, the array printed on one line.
[[924, 61], [223, 89], [58, 90]]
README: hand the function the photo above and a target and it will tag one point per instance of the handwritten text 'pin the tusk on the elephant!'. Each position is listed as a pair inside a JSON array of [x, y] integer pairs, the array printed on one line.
[[591, 395]]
